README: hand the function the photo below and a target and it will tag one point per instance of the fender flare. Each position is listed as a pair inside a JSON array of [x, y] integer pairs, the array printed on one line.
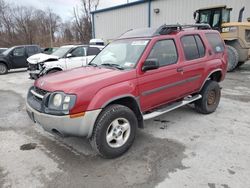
[[207, 78]]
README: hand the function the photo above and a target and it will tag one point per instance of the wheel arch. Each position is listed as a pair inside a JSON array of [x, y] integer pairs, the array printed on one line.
[[4, 62], [215, 75], [130, 102]]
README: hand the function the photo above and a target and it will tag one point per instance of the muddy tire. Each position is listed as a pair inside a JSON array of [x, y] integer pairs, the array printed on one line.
[[114, 131], [233, 58], [211, 94], [3, 69]]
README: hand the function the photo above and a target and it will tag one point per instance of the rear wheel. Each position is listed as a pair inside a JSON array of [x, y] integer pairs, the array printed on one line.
[[210, 98], [3, 68], [114, 131], [233, 58]]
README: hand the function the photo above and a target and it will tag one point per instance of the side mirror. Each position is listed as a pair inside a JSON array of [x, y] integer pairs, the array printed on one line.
[[150, 64], [69, 55]]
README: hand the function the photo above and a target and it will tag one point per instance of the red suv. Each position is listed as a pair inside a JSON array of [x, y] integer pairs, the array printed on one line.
[[143, 74]]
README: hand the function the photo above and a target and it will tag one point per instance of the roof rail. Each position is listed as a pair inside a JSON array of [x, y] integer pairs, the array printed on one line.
[[167, 29]]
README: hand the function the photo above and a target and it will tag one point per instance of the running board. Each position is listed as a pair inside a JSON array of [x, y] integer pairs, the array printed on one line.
[[171, 107]]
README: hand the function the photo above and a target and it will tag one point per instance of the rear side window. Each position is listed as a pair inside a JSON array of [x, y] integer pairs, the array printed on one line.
[[32, 50], [190, 47], [193, 47], [165, 52], [215, 41], [200, 46], [93, 51]]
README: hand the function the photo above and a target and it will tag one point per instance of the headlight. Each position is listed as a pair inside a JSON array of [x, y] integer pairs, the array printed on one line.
[[57, 100], [60, 103], [228, 29]]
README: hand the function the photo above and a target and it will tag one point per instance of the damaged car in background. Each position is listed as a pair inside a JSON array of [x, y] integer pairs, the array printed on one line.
[[64, 58]]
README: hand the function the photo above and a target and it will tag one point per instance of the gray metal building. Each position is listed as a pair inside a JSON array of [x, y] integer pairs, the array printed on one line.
[[111, 22]]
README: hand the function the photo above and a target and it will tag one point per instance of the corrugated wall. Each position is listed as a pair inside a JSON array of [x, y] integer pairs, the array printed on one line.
[[181, 11], [111, 24]]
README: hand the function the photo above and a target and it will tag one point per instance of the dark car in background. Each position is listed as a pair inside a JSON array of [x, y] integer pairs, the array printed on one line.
[[16, 57], [2, 50]]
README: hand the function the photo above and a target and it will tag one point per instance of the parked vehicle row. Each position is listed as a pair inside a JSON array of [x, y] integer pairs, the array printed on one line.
[[143, 74], [16, 57], [64, 58]]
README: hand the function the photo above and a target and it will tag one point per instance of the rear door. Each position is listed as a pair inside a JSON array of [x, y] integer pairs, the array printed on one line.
[[91, 53], [193, 64], [18, 58], [31, 50], [162, 85], [77, 58]]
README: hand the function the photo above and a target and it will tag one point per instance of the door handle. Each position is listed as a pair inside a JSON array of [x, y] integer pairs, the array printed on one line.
[[179, 69]]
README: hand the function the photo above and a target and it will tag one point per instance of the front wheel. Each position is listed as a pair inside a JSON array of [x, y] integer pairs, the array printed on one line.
[[114, 131], [3, 68], [210, 98]]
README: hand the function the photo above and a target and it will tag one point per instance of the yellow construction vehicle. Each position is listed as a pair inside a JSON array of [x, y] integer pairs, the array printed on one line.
[[235, 34]]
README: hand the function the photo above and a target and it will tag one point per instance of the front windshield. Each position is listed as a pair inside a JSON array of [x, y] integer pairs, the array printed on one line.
[[60, 52], [122, 54], [225, 16], [6, 52]]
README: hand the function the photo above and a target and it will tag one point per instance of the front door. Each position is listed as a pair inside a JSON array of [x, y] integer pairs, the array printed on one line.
[[162, 85], [77, 58], [18, 58]]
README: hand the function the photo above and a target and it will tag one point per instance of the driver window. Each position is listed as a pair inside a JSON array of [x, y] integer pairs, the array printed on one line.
[[18, 52], [165, 52], [205, 16], [78, 52]]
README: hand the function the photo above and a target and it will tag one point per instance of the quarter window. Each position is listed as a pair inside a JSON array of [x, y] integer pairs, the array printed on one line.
[[215, 41], [165, 52]]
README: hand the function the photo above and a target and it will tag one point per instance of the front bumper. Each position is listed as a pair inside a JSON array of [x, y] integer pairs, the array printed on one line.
[[80, 126]]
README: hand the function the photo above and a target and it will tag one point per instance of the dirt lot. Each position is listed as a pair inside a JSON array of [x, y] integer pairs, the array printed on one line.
[[179, 149]]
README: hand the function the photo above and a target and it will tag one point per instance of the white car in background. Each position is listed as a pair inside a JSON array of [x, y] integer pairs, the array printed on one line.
[[64, 58]]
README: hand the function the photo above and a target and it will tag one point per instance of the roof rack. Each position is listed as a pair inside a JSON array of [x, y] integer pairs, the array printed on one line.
[[167, 29]]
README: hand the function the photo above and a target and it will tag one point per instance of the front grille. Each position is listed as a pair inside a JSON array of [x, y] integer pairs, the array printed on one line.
[[40, 91], [33, 67], [247, 35]]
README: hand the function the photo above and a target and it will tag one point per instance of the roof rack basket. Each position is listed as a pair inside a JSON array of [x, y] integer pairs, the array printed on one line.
[[167, 29]]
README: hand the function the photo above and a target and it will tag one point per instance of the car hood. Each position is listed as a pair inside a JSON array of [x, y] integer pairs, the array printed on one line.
[[88, 78], [40, 58]]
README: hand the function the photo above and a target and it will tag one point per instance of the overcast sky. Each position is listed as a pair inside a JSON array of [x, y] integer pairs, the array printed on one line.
[[64, 8]]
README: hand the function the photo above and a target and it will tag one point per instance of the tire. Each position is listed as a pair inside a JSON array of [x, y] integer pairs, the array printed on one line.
[[240, 64], [107, 124], [233, 58], [3, 69], [52, 71], [211, 94]]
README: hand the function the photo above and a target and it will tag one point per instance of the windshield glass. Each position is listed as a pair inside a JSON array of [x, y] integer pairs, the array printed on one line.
[[60, 52], [6, 52], [122, 54], [225, 16]]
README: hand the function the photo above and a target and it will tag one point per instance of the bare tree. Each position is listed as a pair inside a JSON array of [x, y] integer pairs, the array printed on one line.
[[83, 21]]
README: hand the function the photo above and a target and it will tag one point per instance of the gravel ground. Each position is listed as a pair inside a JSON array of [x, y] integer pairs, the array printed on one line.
[[179, 149]]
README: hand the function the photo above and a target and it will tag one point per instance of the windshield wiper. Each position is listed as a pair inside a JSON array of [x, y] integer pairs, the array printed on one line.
[[113, 65]]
